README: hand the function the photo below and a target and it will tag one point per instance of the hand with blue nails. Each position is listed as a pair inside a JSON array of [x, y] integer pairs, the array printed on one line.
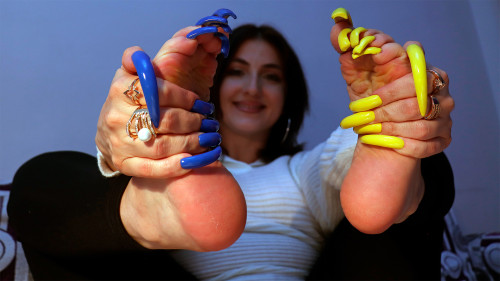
[[166, 206]]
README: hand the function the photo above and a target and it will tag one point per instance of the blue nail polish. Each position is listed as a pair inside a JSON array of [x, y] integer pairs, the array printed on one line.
[[147, 77], [209, 139], [200, 160], [225, 13], [209, 125], [202, 30], [210, 20], [202, 107], [225, 43]]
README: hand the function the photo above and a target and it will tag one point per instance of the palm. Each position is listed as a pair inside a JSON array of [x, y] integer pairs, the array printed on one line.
[[364, 75]]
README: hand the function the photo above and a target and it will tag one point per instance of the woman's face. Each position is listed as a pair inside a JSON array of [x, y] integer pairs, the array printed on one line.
[[252, 91]]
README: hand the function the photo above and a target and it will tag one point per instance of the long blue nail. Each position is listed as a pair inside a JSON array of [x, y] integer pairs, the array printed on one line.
[[202, 107], [202, 30], [147, 77], [225, 13], [200, 160], [225, 43], [211, 20], [209, 139], [209, 125]]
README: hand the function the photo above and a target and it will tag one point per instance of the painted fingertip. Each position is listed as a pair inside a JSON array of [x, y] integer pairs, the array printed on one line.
[[368, 129], [362, 44], [211, 139], [341, 14], [343, 39], [202, 30], [418, 69], [201, 160], [209, 125], [383, 141], [149, 86], [365, 104], [225, 44], [357, 119], [211, 20], [354, 36], [225, 13], [202, 107]]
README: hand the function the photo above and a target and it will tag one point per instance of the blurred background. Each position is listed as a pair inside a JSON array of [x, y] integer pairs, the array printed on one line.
[[57, 60]]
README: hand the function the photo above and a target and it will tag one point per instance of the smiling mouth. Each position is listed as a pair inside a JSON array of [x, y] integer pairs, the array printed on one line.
[[249, 107]]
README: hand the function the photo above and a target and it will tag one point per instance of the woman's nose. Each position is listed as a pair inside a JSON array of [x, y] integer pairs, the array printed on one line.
[[253, 85]]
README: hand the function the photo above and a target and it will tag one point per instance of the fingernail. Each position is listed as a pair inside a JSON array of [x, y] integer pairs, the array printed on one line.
[[362, 44], [418, 68], [200, 160], [354, 37], [225, 13], [202, 107], [147, 78], [209, 125], [365, 104], [368, 129], [357, 119], [383, 140], [209, 139], [224, 44], [343, 39], [202, 30], [367, 51], [341, 14]]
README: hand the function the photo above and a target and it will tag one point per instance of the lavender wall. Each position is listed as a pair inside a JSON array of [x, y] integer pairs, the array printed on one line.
[[57, 59]]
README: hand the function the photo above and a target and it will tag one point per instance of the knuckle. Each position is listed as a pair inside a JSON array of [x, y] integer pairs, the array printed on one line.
[[422, 130]]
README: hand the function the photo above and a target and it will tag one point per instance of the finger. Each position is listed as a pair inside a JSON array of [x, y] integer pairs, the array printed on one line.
[[419, 130], [127, 63], [160, 168], [422, 149], [179, 121]]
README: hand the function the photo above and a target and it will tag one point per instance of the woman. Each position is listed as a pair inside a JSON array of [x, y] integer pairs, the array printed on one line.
[[292, 197]]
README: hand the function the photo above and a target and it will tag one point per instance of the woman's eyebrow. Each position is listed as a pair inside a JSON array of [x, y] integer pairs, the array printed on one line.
[[268, 65]]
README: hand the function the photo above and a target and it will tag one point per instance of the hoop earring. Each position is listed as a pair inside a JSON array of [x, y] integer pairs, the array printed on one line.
[[287, 130]]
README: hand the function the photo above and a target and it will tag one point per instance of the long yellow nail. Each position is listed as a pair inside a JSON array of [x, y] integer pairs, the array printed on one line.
[[343, 39], [383, 140], [367, 51], [418, 68], [365, 104], [355, 36], [357, 119], [368, 129], [362, 44], [341, 13]]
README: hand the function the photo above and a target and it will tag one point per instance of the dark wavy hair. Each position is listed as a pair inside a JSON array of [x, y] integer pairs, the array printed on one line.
[[296, 102]]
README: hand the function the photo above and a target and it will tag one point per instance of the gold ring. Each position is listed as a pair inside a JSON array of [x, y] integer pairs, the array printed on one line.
[[140, 126], [132, 93], [435, 109], [438, 82]]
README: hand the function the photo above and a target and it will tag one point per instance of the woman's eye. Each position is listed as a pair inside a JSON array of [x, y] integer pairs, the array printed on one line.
[[234, 72], [273, 77]]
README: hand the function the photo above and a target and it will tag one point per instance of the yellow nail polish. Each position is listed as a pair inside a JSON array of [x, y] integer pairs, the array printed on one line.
[[355, 36], [372, 51], [343, 39], [362, 44], [418, 68], [383, 140], [368, 129], [357, 119], [365, 104], [341, 13]]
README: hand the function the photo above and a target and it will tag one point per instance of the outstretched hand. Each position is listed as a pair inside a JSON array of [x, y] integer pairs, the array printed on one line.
[[384, 185]]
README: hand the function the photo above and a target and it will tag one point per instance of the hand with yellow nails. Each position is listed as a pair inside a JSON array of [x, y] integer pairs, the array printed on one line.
[[401, 111]]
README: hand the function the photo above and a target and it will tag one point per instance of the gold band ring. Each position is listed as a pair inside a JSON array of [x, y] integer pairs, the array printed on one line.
[[435, 109], [438, 81]]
